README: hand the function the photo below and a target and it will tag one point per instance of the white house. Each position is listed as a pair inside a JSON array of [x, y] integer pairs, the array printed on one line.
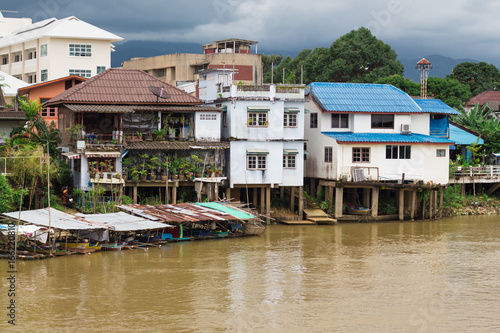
[[265, 128], [53, 48], [373, 132]]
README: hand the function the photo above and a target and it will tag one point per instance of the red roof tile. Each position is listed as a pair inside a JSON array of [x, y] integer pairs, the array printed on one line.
[[485, 97], [423, 61], [123, 86]]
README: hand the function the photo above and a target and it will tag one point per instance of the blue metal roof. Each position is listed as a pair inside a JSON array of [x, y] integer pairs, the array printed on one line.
[[348, 137], [462, 137], [361, 97], [435, 106]]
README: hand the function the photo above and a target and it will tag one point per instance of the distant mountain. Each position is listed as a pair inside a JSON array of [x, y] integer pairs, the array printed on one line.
[[137, 48], [441, 66]]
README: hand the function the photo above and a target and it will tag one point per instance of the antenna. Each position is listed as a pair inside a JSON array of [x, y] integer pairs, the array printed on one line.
[[159, 92]]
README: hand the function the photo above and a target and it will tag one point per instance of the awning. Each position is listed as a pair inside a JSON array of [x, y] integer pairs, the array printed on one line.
[[123, 222], [257, 152], [229, 210], [292, 110], [258, 108], [103, 154], [72, 156], [290, 151]]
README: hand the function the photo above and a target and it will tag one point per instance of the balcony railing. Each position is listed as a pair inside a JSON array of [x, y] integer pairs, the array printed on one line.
[[103, 140], [479, 172]]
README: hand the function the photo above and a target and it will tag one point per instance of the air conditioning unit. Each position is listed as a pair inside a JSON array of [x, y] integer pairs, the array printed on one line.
[[345, 177], [405, 128]]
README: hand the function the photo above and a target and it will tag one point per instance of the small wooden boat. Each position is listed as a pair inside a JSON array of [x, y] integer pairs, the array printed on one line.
[[113, 246], [253, 229], [357, 210]]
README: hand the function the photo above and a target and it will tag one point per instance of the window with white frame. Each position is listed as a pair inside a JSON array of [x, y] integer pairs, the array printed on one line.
[[81, 72], [257, 119], [289, 158], [80, 50], [314, 120], [340, 120], [31, 78], [440, 152], [361, 155], [31, 54], [394, 152], [290, 120], [43, 50], [100, 69], [44, 75], [328, 154], [257, 162]]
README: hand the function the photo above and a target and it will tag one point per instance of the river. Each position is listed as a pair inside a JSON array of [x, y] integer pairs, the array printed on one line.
[[439, 276]]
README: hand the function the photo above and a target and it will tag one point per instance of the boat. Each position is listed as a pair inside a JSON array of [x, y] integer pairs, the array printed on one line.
[[44, 249], [113, 246], [357, 210], [253, 229]]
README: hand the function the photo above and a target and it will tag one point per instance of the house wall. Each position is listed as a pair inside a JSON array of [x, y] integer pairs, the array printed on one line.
[[208, 128], [6, 127]]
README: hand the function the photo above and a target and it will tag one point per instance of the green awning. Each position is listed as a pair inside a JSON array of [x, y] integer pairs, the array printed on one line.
[[222, 208], [292, 110], [257, 152], [224, 108], [258, 108], [290, 151]]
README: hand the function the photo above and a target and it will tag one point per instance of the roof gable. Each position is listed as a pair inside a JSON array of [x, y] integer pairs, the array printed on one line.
[[123, 86], [361, 97], [28, 88]]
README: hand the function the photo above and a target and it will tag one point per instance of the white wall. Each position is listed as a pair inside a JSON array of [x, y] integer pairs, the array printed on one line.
[[207, 129]]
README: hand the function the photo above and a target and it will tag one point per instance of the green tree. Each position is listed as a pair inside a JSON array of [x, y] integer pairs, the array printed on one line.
[[358, 56], [6, 197], [479, 77], [267, 62], [450, 91], [398, 81]]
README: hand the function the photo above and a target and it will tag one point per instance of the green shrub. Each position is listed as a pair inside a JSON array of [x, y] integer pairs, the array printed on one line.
[[6, 195]]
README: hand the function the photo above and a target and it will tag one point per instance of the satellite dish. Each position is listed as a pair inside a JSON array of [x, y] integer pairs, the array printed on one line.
[[159, 92]]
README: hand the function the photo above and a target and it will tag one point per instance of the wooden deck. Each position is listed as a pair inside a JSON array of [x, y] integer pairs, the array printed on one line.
[[297, 222]]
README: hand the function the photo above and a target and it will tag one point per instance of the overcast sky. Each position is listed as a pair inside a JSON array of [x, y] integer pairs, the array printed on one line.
[[414, 28]]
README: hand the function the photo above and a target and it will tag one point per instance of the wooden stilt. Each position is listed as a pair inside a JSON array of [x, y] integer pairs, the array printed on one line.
[[134, 193], [228, 193], [282, 192], [174, 193], [401, 204], [301, 202], [268, 204], [413, 204], [255, 202], [375, 195], [366, 197], [339, 201], [441, 199], [262, 200], [292, 198], [313, 187], [330, 197], [431, 208]]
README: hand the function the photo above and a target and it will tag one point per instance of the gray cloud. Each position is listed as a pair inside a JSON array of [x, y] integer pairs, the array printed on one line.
[[454, 28]]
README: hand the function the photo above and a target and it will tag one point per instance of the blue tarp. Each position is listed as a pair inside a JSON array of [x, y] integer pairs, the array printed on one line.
[[462, 137]]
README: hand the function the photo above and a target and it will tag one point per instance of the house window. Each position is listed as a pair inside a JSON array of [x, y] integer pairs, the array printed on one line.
[[100, 69], [43, 50], [5, 59], [44, 75], [441, 153], [80, 72], [394, 152], [208, 116], [382, 121], [289, 161], [290, 120], [257, 119], [361, 155], [31, 78], [328, 154], [256, 162], [18, 57], [80, 50], [340, 120], [314, 120]]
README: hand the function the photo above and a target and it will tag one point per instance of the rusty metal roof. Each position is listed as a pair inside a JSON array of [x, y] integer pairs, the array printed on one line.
[[114, 108], [179, 213], [12, 115], [123, 86], [177, 145]]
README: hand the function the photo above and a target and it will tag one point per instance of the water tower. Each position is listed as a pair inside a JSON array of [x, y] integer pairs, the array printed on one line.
[[423, 66]]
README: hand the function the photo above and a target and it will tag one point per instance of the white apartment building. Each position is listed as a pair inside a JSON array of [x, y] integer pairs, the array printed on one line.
[[53, 48]]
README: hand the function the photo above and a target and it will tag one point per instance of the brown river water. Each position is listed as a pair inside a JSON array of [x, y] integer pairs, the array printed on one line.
[[439, 276]]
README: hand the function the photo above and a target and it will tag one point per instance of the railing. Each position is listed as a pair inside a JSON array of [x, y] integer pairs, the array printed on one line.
[[254, 88], [481, 171], [362, 174], [103, 140], [226, 89]]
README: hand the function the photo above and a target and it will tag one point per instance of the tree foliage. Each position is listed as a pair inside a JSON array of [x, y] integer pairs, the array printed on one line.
[[450, 91], [479, 77], [398, 81], [358, 56], [6, 197]]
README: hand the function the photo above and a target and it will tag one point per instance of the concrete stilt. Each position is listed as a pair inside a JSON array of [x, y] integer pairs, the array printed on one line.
[[401, 205], [135, 193], [292, 198], [262, 200], [413, 204], [268, 204], [366, 197], [441, 199], [339, 201], [330, 196], [375, 195], [301, 202]]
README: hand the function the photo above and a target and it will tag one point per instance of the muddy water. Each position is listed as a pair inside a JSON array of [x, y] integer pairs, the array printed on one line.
[[439, 276]]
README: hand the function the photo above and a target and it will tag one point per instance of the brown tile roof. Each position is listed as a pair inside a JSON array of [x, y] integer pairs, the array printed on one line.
[[12, 114], [485, 97], [177, 145], [104, 108], [123, 86]]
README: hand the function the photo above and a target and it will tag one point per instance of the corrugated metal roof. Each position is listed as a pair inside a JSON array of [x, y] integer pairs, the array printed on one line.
[[349, 137], [123, 222], [187, 212], [177, 145], [123, 86], [218, 206], [435, 106], [58, 220], [361, 97], [461, 137]]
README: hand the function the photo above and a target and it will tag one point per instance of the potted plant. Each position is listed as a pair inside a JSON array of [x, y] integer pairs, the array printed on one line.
[[171, 133], [134, 174], [159, 133], [143, 175], [174, 167], [154, 164], [197, 165], [126, 163], [139, 135], [164, 174]]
